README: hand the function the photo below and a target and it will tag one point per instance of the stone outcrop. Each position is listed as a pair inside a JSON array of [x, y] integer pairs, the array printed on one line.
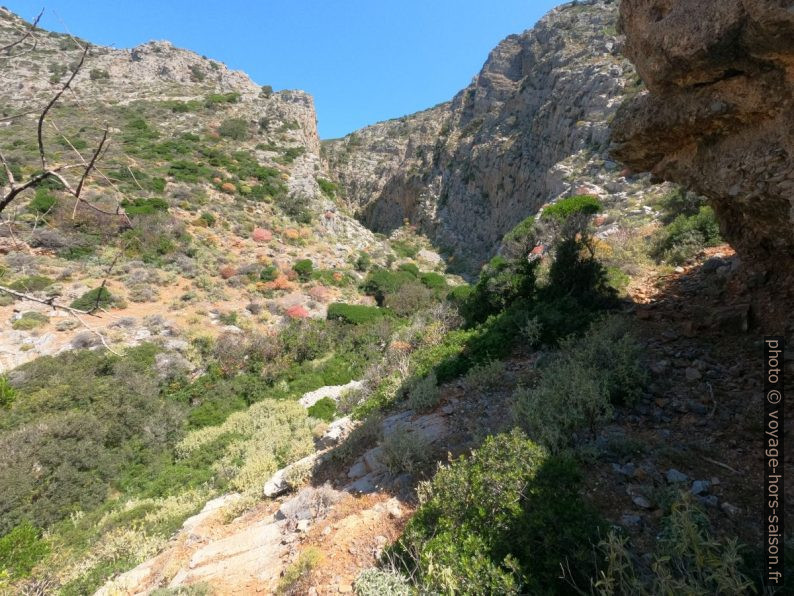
[[467, 171], [717, 115]]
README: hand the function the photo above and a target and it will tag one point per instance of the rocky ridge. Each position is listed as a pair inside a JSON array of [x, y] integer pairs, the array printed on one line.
[[533, 125]]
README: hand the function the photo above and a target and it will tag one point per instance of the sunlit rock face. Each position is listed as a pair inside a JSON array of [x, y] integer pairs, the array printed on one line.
[[718, 115], [532, 125]]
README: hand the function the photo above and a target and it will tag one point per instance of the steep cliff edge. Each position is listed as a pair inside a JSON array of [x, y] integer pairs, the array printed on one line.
[[465, 172], [717, 118]]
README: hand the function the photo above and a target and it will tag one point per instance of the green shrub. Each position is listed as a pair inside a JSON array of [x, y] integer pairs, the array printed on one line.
[[208, 218], [460, 294], [405, 452], [94, 299], [297, 574], [97, 74], [357, 314], [564, 209], [434, 281], [234, 128], [295, 206], [405, 249], [21, 549], [42, 202], [409, 298], [409, 268], [363, 262], [686, 235], [576, 273], [324, 409], [379, 582], [215, 99], [577, 390], [486, 376], [141, 206], [7, 393], [502, 521], [32, 283], [518, 241], [502, 282], [679, 202], [424, 395], [382, 282], [689, 560], [290, 154], [269, 273], [188, 171], [328, 188], [304, 269], [30, 320]]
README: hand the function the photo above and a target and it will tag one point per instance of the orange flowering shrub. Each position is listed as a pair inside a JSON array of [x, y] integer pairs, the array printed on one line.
[[261, 235], [296, 312], [228, 271]]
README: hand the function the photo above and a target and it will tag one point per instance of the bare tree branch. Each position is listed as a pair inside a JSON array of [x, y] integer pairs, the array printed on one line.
[[49, 301], [27, 34], [15, 116], [57, 96], [91, 163]]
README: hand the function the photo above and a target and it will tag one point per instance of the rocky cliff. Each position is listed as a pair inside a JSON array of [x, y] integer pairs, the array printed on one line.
[[532, 125], [717, 116]]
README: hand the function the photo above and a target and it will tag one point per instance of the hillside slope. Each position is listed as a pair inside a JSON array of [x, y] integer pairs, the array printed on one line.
[[218, 175]]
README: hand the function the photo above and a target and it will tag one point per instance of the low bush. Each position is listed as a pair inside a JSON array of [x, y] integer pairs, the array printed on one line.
[[405, 452], [485, 376], [576, 392], [144, 206], [42, 202], [30, 320], [323, 409], [502, 521], [214, 99], [32, 283], [234, 128], [295, 206], [304, 269], [295, 577], [7, 393], [424, 395], [382, 282], [328, 188], [689, 560], [269, 273], [208, 218], [363, 262], [434, 281], [380, 582], [94, 299], [687, 235], [409, 298], [568, 207], [21, 549], [502, 282], [409, 268], [357, 314]]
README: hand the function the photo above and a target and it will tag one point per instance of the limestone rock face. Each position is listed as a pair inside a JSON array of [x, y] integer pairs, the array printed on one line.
[[717, 116], [469, 170]]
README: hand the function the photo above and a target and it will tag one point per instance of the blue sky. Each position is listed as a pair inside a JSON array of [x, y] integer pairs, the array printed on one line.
[[362, 60]]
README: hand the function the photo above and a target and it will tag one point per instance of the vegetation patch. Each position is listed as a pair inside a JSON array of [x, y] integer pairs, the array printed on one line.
[[483, 524]]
